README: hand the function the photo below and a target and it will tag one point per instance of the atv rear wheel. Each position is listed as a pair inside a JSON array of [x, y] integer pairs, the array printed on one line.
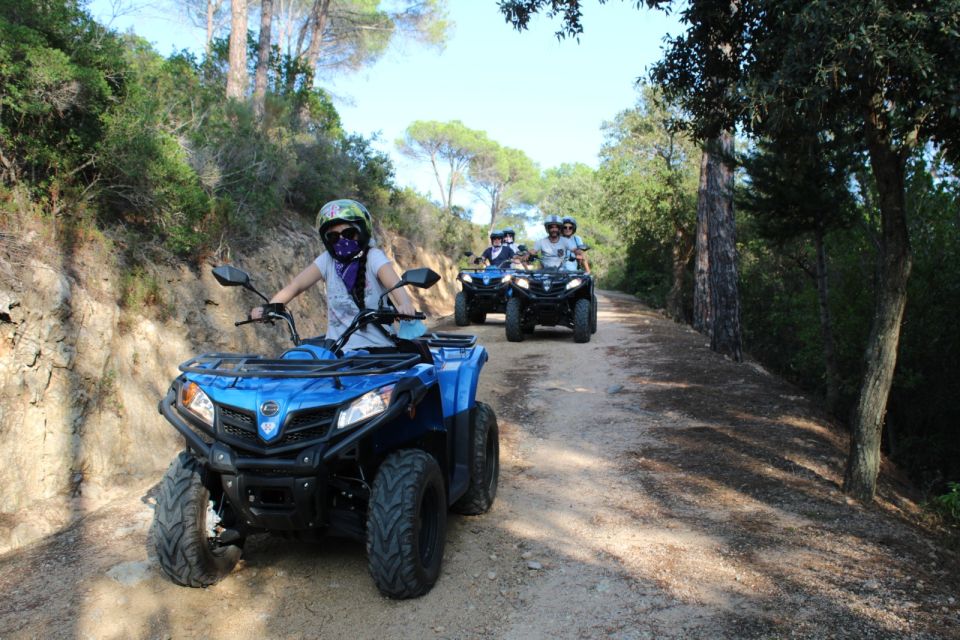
[[460, 314], [513, 320], [406, 524], [593, 314], [484, 463], [187, 552], [581, 320]]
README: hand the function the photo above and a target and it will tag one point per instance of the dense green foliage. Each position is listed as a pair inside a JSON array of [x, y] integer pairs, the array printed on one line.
[[90, 116]]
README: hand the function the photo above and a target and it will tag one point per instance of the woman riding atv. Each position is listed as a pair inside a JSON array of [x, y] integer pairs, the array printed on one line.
[[497, 254], [355, 271], [569, 230]]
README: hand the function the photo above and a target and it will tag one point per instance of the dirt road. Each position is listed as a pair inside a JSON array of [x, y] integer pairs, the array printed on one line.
[[649, 489]]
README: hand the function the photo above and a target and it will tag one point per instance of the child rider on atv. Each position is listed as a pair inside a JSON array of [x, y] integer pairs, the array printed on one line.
[[569, 230], [497, 254], [553, 249], [355, 271]]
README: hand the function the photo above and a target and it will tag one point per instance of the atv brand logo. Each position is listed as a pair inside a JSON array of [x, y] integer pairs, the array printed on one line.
[[547, 284], [486, 280], [269, 408], [268, 429]]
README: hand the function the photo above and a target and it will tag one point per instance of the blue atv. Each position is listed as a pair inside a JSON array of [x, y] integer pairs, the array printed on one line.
[[483, 291], [373, 445]]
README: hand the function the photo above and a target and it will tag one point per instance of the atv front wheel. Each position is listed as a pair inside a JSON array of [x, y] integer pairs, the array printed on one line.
[[513, 320], [484, 464], [581, 320], [460, 315], [406, 524], [187, 550]]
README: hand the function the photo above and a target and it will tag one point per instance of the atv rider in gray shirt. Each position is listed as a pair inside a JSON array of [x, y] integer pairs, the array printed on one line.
[[553, 249]]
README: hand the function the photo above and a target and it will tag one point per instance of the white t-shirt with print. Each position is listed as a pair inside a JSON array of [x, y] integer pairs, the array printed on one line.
[[553, 253], [341, 308]]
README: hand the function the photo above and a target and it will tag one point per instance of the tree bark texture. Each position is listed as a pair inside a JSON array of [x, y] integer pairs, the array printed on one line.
[[237, 71], [722, 237], [863, 462], [263, 59], [826, 325], [680, 251], [702, 314]]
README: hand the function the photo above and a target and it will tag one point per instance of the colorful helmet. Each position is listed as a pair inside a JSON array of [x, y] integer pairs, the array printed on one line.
[[509, 232], [570, 220], [349, 211], [552, 220], [496, 233]]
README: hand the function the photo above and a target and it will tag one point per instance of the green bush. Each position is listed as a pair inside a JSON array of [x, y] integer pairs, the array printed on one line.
[[948, 504]]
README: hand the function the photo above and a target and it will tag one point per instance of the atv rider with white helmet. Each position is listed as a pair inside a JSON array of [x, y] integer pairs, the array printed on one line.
[[569, 230], [497, 254], [554, 249], [355, 271]]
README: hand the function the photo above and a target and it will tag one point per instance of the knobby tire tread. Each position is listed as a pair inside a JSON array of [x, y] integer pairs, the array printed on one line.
[[393, 553], [179, 537]]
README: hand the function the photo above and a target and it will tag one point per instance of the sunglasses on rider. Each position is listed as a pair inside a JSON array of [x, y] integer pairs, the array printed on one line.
[[552, 226], [350, 233], [568, 226]]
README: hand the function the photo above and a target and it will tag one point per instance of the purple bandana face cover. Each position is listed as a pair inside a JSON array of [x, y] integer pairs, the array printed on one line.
[[345, 250]]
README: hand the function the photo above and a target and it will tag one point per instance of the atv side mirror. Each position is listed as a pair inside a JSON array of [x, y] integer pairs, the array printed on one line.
[[229, 276], [421, 278], [467, 254], [521, 248]]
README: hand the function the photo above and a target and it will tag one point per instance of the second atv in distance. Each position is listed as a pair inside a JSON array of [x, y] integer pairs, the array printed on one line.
[[483, 291], [551, 297]]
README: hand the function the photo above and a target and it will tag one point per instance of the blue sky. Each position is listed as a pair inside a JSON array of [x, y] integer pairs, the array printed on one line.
[[527, 90]]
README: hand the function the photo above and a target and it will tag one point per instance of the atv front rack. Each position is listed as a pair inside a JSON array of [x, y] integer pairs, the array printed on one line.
[[232, 365], [451, 340]]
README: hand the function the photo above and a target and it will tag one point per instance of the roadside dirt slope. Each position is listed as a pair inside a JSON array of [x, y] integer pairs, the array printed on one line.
[[649, 489]]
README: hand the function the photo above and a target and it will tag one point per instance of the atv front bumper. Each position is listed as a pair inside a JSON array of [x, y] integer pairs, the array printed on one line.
[[278, 492]]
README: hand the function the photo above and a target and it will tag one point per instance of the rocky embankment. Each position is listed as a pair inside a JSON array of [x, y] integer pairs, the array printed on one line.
[[80, 376]]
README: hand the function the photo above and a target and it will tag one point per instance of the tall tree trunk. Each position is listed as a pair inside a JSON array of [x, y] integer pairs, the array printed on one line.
[[680, 256], [702, 313], [321, 11], [211, 10], [237, 72], [263, 59], [722, 236], [826, 325], [863, 462]]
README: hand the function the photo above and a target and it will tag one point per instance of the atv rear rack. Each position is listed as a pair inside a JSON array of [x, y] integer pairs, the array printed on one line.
[[234, 365]]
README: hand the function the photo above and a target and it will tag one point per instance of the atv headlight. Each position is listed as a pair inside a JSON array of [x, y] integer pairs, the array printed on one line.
[[523, 283], [466, 277], [197, 402], [366, 406], [573, 284], [506, 278]]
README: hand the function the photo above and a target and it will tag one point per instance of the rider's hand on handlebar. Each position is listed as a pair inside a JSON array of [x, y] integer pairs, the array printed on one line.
[[256, 313]]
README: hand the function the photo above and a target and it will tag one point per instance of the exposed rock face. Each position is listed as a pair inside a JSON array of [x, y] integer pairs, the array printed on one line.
[[80, 378]]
